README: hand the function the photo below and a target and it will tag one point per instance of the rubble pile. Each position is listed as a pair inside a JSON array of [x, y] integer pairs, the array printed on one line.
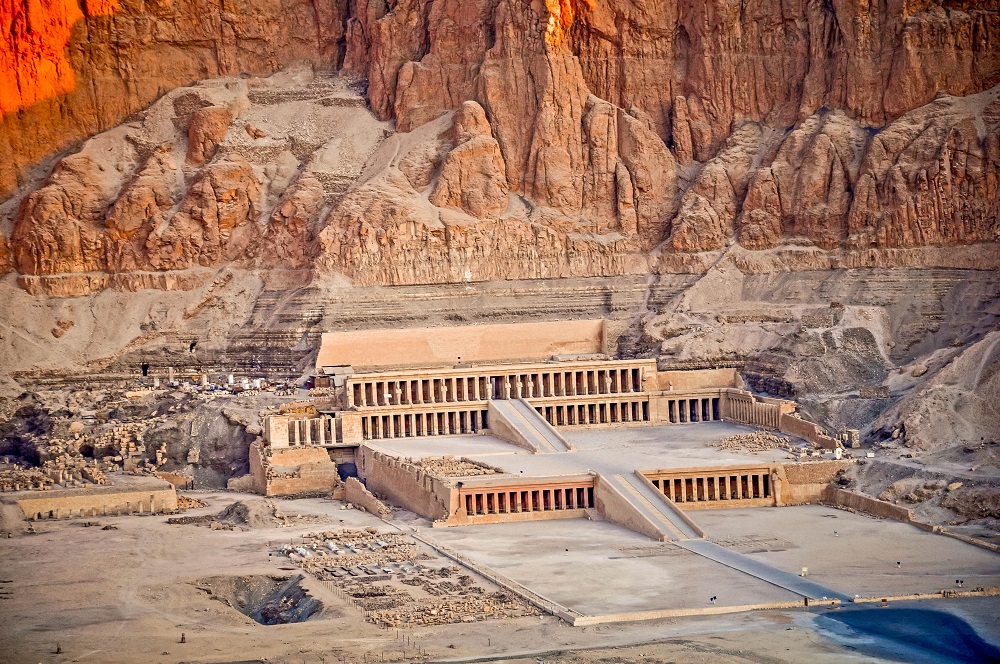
[[379, 574], [756, 441], [189, 503], [15, 478], [447, 466]]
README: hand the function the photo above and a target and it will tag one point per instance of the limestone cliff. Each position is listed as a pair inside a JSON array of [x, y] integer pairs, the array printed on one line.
[[532, 139]]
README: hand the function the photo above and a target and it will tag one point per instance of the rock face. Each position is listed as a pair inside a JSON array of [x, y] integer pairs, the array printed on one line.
[[538, 139], [472, 175], [68, 69]]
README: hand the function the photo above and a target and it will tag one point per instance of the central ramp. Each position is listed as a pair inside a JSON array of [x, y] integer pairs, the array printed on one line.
[[631, 501], [762, 571], [516, 421]]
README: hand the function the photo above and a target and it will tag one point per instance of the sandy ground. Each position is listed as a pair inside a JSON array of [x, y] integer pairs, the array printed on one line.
[[853, 553], [126, 595], [598, 568]]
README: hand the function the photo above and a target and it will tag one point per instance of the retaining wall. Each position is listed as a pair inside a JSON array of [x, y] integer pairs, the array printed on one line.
[[358, 494], [406, 485], [866, 504]]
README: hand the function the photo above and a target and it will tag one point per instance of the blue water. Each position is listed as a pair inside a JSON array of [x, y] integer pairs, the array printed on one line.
[[908, 635]]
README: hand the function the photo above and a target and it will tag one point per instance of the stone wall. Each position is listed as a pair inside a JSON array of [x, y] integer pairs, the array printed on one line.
[[866, 504], [406, 485], [359, 495], [153, 498], [292, 471], [697, 379], [796, 426], [806, 482], [473, 343]]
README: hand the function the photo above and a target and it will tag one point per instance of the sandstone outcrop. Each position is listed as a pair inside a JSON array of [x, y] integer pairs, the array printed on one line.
[[68, 69], [472, 175], [208, 127], [531, 140], [6, 264]]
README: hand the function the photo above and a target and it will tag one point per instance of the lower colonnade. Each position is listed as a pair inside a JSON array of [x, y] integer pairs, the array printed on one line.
[[519, 501], [722, 486]]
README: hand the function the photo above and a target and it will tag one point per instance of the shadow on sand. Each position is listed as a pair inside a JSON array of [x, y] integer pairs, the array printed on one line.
[[909, 635]]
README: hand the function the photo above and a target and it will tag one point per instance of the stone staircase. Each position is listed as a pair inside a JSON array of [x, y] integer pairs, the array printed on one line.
[[516, 421], [656, 512]]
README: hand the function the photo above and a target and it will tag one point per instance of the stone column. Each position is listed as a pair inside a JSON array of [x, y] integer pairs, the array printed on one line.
[[308, 427], [628, 380]]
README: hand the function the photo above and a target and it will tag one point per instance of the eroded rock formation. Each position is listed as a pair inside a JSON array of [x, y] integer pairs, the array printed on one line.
[[531, 139]]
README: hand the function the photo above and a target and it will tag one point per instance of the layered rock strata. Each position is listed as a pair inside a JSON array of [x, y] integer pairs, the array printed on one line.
[[537, 140]]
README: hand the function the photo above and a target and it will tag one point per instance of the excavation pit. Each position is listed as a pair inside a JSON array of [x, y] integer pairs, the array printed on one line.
[[268, 600]]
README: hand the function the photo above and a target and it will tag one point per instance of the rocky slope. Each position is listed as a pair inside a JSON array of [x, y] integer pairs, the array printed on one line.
[[530, 139]]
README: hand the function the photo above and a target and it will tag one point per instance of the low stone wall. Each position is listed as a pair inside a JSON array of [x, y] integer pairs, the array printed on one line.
[[358, 494], [153, 498], [796, 426], [866, 504], [406, 485], [659, 614], [806, 482]]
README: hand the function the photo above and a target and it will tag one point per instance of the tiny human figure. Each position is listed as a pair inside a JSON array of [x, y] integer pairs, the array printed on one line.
[[898, 564], [183, 637], [713, 598]]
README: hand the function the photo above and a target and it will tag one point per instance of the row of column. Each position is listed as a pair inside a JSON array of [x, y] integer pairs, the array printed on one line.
[[603, 412], [405, 425], [715, 487], [128, 507], [528, 500], [583, 382], [749, 411], [318, 429], [701, 409], [419, 391], [451, 389]]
